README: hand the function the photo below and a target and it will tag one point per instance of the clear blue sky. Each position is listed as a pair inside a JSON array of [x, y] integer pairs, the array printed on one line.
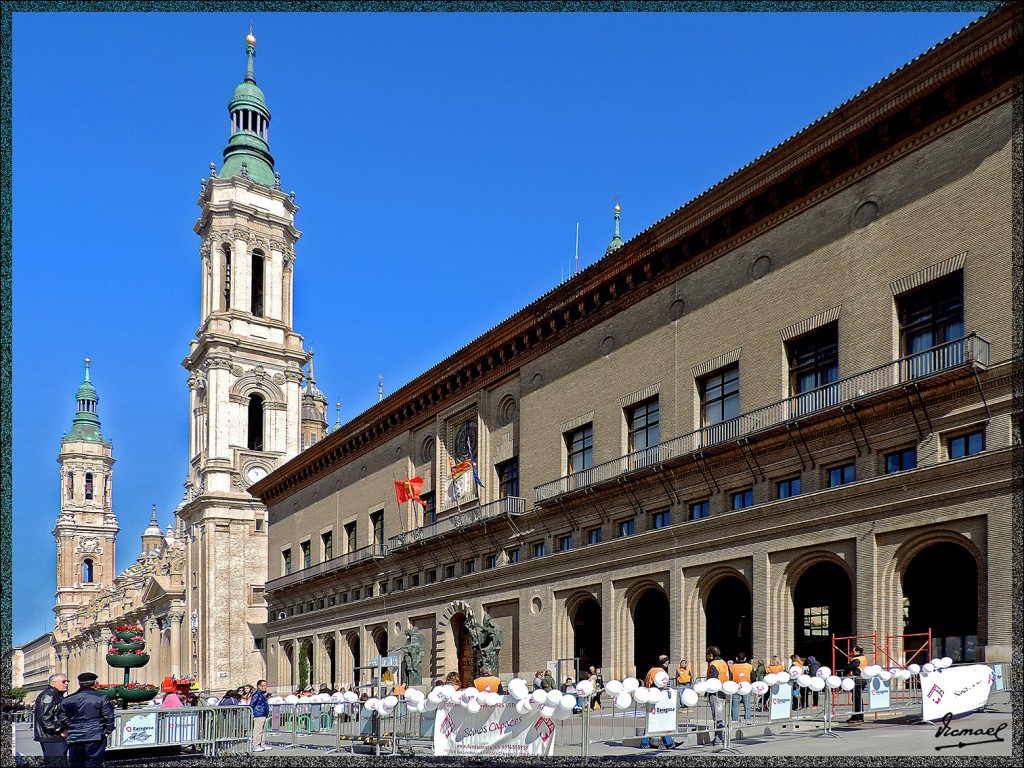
[[441, 163]]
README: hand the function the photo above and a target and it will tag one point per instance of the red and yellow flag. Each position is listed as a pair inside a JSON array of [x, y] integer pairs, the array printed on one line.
[[409, 490]]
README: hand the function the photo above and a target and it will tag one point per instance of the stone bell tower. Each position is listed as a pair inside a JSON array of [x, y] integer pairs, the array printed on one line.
[[86, 529], [245, 373]]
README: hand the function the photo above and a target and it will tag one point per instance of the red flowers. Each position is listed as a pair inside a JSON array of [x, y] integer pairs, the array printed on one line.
[[137, 639], [140, 687], [129, 628]]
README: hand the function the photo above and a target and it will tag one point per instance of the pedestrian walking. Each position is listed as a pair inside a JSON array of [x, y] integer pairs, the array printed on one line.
[[813, 665], [718, 670], [742, 672], [854, 668], [260, 712], [90, 718], [598, 688], [50, 724], [651, 681]]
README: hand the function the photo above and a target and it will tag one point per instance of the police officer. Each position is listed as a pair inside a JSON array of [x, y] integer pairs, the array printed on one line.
[[50, 724], [90, 720]]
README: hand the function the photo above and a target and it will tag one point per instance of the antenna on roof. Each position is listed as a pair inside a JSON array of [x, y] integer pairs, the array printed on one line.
[[380, 387], [576, 268]]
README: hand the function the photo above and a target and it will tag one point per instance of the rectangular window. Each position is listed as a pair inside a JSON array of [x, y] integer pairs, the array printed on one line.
[[320, 604], [966, 445], [344, 598], [356, 594], [88, 485], [227, 277], [399, 584], [259, 523], [508, 478], [700, 509], [332, 600], [841, 475], [286, 561], [594, 535], [256, 596], [644, 422], [931, 318], [350, 537], [327, 545], [720, 402], [382, 588], [512, 555], [304, 549], [626, 527], [429, 511], [449, 571], [790, 487], [257, 284], [71, 486], [538, 549], [580, 446], [743, 499], [469, 566], [565, 543], [490, 561], [901, 461], [432, 576], [661, 519], [377, 525], [414, 580], [813, 366]]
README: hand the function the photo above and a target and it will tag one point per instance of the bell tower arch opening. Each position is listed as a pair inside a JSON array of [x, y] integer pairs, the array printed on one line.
[[255, 422]]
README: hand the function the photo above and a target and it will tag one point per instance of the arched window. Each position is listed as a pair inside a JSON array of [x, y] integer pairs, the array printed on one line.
[[255, 441], [257, 284], [226, 251], [87, 571], [88, 485], [71, 486]]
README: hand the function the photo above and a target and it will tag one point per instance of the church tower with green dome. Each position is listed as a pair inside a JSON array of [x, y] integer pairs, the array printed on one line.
[[245, 371], [86, 528]]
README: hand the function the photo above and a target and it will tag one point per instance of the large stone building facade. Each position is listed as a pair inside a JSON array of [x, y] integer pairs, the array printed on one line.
[[781, 414], [32, 663]]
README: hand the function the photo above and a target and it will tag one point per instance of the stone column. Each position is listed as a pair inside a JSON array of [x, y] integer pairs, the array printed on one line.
[[760, 605], [175, 617], [153, 649], [316, 653]]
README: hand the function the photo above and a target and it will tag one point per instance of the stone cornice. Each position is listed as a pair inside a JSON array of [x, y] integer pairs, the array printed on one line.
[[970, 73]]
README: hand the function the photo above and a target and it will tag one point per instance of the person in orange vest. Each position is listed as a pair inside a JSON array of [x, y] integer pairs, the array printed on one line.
[[854, 667], [741, 671], [684, 678], [650, 682], [488, 682], [719, 670], [775, 667]]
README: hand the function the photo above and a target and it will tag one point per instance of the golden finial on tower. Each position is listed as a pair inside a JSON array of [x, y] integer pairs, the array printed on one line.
[[250, 39]]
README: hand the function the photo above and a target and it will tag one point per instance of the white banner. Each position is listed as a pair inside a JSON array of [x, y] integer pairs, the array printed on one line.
[[782, 701], [493, 731], [878, 693], [140, 729], [955, 690], [661, 716]]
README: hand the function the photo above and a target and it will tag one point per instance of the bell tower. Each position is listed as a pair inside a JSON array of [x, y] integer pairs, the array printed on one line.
[[245, 373], [86, 529]]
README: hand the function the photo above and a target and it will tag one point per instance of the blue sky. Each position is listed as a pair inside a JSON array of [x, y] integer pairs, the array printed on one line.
[[441, 163]]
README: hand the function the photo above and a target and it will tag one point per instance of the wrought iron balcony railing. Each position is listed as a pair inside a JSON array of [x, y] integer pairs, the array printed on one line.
[[327, 566], [509, 505], [968, 351]]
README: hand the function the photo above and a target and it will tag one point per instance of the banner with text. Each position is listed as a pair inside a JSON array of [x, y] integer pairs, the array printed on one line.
[[878, 693], [781, 706], [661, 716], [955, 690], [493, 732], [140, 729]]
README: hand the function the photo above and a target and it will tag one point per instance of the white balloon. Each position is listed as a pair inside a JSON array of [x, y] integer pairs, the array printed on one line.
[[337, 696], [937, 663], [585, 687], [372, 704], [435, 696], [816, 684], [905, 674], [339, 709], [539, 697], [824, 672], [448, 691], [212, 701], [714, 685], [760, 687], [661, 679], [623, 700], [885, 675], [414, 695], [928, 667], [323, 698], [771, 679], [745, 688], [561, 712], [470, 693], [517, 689], [804, 680], [492, 699], [473, 705], [391, 701], [848, 683], [275, 700], [642, 695], [614, 687], [524, 705], [795, 672], [915, 669], [429, 705], [730, 687], [554, 696], [291, 699], [947, 661], [547, 710], [893, 671], [701, 687], [690, 698], [833, 681], [630, 684]]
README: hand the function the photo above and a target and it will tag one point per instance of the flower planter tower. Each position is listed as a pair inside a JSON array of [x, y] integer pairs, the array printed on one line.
[[127, 652]]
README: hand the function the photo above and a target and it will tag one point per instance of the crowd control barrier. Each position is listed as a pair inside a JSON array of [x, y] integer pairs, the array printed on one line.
[[213, 729]]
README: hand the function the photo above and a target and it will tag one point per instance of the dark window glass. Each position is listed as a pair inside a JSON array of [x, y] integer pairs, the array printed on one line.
[[257, 284], [538, 549], [931, 316], [901, 461], [469, 566], [513, 555], [255, 413], [429, 511], [966, 445], [432, 576], [259, 523], [344, 597], [743, 499], [813, 364], [720, 396], [594, 536], [399, 584], [356, 594], [449, 571], [71, 485], [490, 562], [626, 527], [790, 487], [841, 475], [644, 426], [377, 524], [581, 449], [287, 557], [227, 277], [508, 474], [661, 519], [87, 571], [327, 539], [304, 547], [700, 509], [350, 537], [88, 485], [414, 580], [565, 543]]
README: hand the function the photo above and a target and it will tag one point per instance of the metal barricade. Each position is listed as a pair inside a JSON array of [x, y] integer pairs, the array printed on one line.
[[213, 729]]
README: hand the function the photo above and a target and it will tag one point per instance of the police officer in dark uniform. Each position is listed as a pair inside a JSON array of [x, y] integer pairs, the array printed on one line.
[[90, 720], [50, 724]]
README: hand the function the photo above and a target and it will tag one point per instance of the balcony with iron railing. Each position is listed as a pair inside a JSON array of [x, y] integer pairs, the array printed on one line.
[[371, 552], [508, 505], [963, 353]]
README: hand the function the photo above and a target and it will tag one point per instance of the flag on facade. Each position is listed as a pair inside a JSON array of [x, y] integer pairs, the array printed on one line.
[[458, 470], [472, 463], [409, 490]]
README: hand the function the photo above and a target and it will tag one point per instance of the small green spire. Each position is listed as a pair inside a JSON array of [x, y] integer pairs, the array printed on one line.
[[616, 242], [247, 154], [86, 424], [337, 418]]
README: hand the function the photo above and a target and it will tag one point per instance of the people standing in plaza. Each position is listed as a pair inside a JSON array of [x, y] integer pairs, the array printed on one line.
[[651, 681], [488, 682], [569, 687], [538, 678], [717, 670], [854, 667], [260, 713], [90, 717], [171, 701], [547, 682], [598, 688], [49, 723], [230, 699], [742, 672], [796, 661], [813, 665], [758, 674]]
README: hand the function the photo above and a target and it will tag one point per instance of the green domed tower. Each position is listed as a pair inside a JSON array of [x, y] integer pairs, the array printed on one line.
[[248, 151]]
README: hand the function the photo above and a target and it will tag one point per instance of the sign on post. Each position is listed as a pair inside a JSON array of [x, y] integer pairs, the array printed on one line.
[[782, 701], [878, 693], [137, 730], [661, 716]]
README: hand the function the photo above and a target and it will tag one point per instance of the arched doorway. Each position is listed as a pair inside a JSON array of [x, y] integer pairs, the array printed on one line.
[[940, 590], [463, 649], [332, 669], [353, 648], [822, 607], [650, 630], [287, 669], [727, 612], [586, 627]]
